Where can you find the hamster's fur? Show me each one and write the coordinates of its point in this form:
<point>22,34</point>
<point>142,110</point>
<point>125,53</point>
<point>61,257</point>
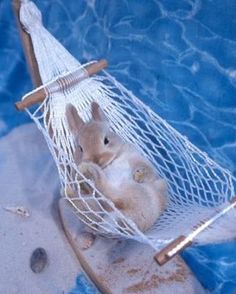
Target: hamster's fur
<point>117,169</point>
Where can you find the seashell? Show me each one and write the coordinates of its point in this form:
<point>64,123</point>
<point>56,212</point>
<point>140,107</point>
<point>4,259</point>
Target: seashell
<point>20,210</point>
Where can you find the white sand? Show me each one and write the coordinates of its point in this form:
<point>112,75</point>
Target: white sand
<point>29,178</point>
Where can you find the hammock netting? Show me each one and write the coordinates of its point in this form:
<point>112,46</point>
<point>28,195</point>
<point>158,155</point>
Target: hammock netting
<point>199,190</point>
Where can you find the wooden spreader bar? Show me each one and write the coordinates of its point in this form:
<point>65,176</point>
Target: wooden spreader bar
<point>162,257</point>
<point>40,95</point>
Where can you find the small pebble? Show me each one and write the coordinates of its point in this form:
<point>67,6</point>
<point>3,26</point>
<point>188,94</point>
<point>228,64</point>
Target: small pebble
<point>38,260</point>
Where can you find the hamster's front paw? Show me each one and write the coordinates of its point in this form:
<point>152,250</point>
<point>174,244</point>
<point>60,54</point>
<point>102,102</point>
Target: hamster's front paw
<point>141,174</point>
<point>90,171</point>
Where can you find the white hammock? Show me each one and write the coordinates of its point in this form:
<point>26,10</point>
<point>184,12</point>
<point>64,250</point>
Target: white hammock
<point>200,191</point>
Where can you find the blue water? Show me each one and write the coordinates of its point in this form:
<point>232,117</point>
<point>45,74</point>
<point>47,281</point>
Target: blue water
<point>83,286</point>
<point>179,57</point>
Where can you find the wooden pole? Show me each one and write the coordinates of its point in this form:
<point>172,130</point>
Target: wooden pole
<point>28,47</point>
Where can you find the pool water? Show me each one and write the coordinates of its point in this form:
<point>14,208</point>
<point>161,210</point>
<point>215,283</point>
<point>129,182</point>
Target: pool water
<point>179,57</point>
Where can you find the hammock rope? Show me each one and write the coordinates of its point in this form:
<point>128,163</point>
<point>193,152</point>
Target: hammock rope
<point>199,189</point>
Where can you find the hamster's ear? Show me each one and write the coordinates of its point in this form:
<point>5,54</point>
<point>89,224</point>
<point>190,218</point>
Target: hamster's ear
<point>97,113</point>
<point>75,122</point>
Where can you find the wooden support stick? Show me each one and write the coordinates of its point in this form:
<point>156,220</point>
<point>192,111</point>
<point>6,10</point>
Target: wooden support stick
<point>28,47</point>
<point>162,257</point>
<point>40,95</point>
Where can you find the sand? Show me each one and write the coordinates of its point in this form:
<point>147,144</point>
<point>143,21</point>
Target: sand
<point>28,178</point>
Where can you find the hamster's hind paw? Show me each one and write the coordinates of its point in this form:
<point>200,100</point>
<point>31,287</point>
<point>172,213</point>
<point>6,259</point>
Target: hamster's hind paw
<point>141,174</point>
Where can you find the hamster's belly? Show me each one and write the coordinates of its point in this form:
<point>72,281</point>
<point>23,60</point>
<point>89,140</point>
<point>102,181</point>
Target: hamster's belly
<point>118,173</point>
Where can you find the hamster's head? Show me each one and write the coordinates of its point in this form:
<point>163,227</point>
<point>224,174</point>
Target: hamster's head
<point>94,140</point>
